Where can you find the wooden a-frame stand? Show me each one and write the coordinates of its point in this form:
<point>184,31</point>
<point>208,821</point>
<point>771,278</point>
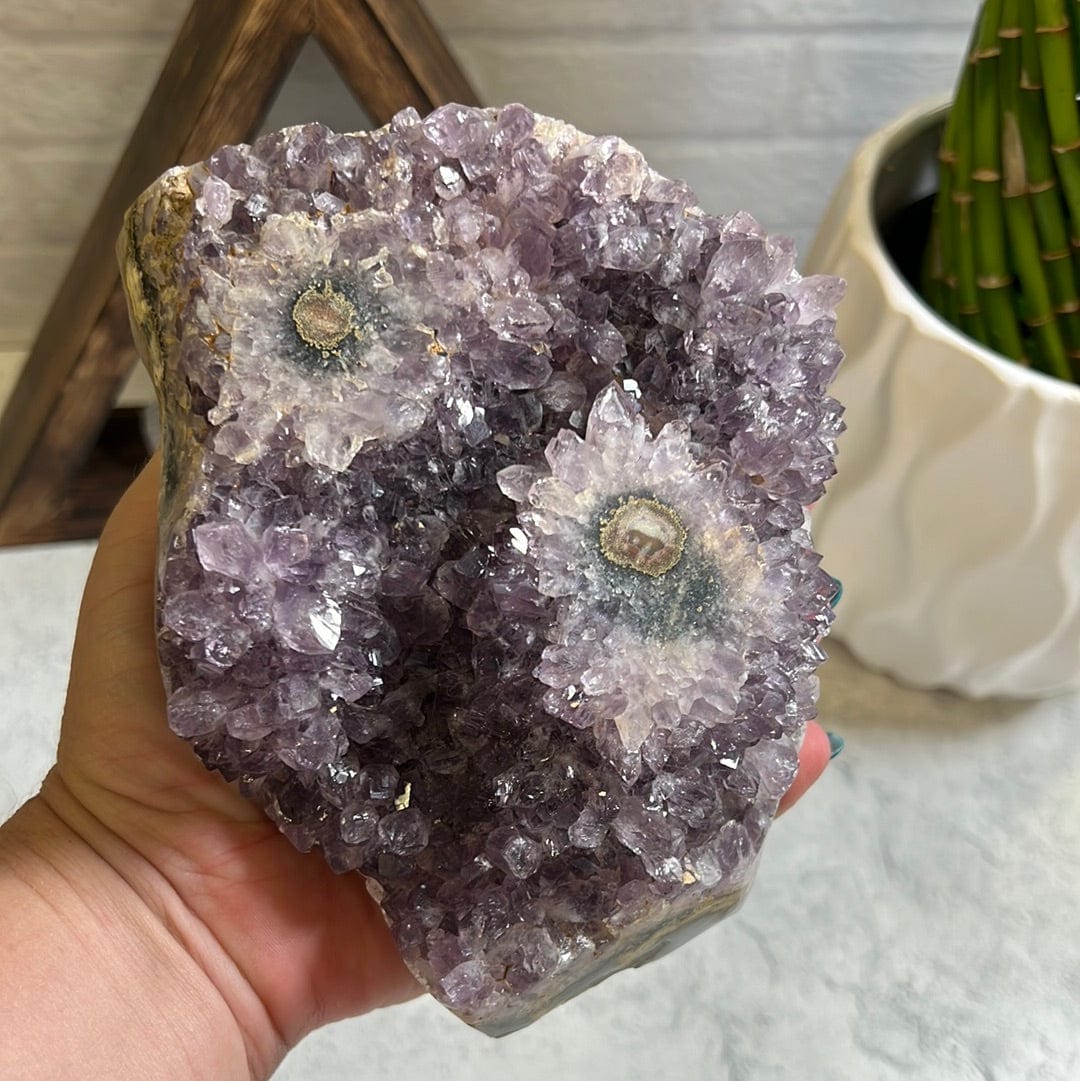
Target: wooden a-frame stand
<point>217,85</point>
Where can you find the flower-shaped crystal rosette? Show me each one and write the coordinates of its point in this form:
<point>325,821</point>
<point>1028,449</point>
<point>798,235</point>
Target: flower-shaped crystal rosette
<point>647,660</point>
<point>678,673</point>
<point>321,335</point>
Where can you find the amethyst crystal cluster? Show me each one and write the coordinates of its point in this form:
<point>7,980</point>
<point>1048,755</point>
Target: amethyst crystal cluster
<point>484,564</point>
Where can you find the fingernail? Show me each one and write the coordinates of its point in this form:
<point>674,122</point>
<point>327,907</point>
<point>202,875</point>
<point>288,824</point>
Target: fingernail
<point>836,744</point>
<point>839,591</point>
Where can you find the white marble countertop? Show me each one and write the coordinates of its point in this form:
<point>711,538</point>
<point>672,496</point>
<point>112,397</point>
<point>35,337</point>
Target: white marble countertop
<point>915,917</point>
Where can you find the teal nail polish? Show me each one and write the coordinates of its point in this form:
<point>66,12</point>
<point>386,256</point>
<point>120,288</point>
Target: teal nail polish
<point>836,744</point>
<point>839,592</point>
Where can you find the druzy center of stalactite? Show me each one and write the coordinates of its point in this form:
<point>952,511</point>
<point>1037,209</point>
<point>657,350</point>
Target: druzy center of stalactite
<point>323,318</point>
<point>644,535</point>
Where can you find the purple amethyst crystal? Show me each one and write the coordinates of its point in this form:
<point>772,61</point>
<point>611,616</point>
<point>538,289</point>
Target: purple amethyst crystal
<point>484,564</point>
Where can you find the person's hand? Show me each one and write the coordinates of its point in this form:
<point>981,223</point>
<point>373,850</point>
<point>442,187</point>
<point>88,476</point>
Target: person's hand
<point>295,944</point>
<point>287,944</point>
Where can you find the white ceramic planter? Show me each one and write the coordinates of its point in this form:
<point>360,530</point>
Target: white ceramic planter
<point>954,521</point>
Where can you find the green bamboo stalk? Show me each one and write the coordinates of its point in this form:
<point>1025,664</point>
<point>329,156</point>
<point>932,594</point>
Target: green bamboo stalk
<point>1003,258</point>
<point>1059,82</point>
<point>950,257</point>
<point>958,274</point>
<point>1044,192</point>
<point>994,279</point>
<point>933,288</point>
<point>938,276</point>
<point>1074,25</point>
<point>1034,304</point>
<point>949,302</point>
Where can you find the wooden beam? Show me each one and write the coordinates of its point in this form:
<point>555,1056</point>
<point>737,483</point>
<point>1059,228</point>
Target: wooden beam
<point>215,88</point>
<point>366,59</point>
<point>423,52</point>
<point>92,491</point>
<point>216,85</point>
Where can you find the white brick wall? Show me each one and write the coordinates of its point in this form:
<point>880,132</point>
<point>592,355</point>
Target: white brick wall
<point>758,103</point>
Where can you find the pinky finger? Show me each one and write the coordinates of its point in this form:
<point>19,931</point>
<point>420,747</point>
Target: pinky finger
<point>813,758</point>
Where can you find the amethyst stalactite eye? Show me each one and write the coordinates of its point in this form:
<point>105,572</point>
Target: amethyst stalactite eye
<point>484,564</point>
<point>323,318</point>
<point>643,535</point>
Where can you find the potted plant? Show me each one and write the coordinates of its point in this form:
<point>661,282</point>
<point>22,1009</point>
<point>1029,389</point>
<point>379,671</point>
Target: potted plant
<point>955,518</point>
